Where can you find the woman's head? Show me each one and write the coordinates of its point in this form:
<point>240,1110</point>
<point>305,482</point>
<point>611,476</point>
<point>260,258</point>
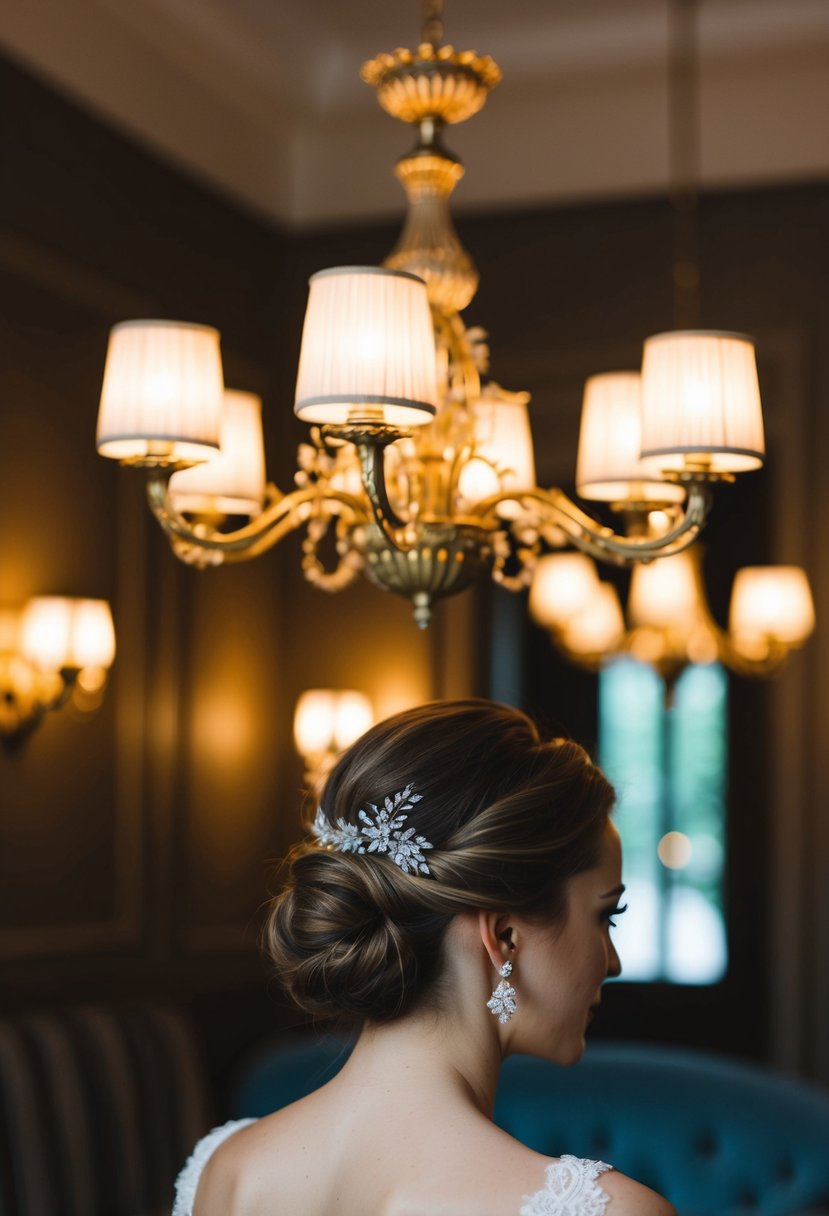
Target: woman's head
<point>511,819</point>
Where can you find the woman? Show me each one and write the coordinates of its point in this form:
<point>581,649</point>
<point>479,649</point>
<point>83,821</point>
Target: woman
<point>456,901</point>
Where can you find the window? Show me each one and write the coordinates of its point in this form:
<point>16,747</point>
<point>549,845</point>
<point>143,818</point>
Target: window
<point>668,760</point>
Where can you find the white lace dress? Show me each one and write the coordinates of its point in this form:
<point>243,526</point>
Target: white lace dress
<point>570,1189</point>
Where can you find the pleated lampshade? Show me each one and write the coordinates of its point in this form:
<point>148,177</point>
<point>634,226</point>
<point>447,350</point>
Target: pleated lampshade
<point>665,594</point>
<point>162,393</point>
<point>771,602</point>
<point>609,467</point>
<point>562,586</point>
<point>701,402</point>
<point>368,349</point>
<point>233,481</point>
<point>503,446</point>
<point>600,625</point>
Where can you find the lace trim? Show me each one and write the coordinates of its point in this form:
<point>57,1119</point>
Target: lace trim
<point>188,1179</point>
<point>571,1190</point>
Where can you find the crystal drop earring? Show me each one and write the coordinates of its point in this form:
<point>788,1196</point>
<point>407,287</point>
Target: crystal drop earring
<point>502,1003</point>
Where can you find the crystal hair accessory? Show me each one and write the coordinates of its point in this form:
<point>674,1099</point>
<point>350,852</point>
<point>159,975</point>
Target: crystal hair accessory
<point>502,1003</point>
<point>380,832</point>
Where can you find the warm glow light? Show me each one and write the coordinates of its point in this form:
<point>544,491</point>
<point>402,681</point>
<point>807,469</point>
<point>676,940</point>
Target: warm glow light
<point>609,468</point>
<point>563,584</point>
<point>502,438</point>
<point>598,627</point>
<point>46,632</point>
<point>701,402</point>
<point>93,635</point>
<point>162,392</point>
<point>352,717</point>
<point>60,632</point>
<point>9,629</point>
<point>477,480</point>
<point>368,349</point>
<point>665,594</point>
<point>674,850</point>
<point>771,603</point>
<point>328,720</point>
<point>233,481</point>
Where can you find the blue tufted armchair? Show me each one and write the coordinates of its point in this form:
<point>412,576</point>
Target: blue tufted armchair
<point>717,1136</point>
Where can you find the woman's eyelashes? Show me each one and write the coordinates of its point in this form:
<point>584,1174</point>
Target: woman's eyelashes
<point>611,912</point>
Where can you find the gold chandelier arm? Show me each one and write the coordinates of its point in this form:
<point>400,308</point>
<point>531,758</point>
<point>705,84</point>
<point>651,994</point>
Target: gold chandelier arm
<point>349,564</point>
<point>373,472</point>
<point>283,513</point>
<point>599,541</point>
<point>743,665</point>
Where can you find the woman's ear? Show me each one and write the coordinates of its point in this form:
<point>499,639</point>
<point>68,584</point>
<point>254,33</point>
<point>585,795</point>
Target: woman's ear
<point>497,936</point>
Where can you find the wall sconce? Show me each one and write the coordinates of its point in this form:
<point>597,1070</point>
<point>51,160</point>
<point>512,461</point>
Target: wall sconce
<point>326,721</point>
<point>48,648</point>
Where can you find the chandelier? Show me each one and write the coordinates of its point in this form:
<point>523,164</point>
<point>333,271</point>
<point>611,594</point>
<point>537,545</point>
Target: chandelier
<point>669,623</point>
<point>50,648</point>
<point>419,466</point>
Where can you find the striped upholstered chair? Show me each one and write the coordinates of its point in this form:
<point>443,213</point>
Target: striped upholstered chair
<point>98,1109</point>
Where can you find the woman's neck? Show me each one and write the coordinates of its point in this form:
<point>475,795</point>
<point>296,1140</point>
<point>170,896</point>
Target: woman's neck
<point>436,1057</point>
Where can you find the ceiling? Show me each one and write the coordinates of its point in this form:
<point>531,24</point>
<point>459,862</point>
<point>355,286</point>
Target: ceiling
<point>262,98</point>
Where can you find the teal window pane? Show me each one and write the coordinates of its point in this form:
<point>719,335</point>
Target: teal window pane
<point>668,761</point>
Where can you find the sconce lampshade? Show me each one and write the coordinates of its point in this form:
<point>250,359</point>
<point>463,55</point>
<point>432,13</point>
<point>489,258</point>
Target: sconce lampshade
<point>771,603</point>
<point>328,720</point>
<point>701,402</point>
<point>58,632</point>
<point>368,349</point>
<point>609,467</point>
<point>162,393</point>
<point>232,482</point>
<point>563,585</point>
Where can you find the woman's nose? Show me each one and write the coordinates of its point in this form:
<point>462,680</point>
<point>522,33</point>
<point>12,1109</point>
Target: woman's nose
<point>614,963</point>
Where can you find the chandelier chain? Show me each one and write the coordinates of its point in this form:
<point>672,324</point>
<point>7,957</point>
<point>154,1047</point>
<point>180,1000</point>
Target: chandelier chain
<point>433,22</point>
<point>683,157</point>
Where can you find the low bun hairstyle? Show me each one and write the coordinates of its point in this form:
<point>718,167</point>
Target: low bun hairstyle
<point>511,818</point>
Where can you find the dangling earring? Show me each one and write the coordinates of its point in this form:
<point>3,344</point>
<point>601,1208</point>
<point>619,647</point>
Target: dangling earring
<point>502,1003</point>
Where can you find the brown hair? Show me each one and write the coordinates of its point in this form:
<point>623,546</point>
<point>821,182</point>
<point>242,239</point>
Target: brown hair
<point>511,818</point>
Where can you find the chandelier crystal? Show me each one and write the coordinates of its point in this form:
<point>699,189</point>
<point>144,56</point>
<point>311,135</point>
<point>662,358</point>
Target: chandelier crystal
<point>423,477</point>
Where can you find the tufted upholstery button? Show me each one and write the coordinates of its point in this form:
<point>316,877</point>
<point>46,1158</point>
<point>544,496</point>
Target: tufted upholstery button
<point>600,1142</point>
<point>785,1171</point>
<point>705,1145</point>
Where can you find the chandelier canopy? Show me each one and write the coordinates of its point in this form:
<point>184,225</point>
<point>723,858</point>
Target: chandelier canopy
<point>424,476</point>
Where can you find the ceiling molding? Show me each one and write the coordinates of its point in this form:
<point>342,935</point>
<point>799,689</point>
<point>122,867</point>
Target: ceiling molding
<point>263,101</point>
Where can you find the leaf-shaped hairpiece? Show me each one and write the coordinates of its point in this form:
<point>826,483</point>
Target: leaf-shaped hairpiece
<point>382,832</point>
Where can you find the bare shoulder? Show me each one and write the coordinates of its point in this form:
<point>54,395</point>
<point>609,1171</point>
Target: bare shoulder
<point>630,1198</point>
<point>507,1171</point>
<point>228,1181</point>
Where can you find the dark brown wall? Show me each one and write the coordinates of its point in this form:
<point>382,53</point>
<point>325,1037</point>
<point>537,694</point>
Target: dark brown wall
<point>134,842</point>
